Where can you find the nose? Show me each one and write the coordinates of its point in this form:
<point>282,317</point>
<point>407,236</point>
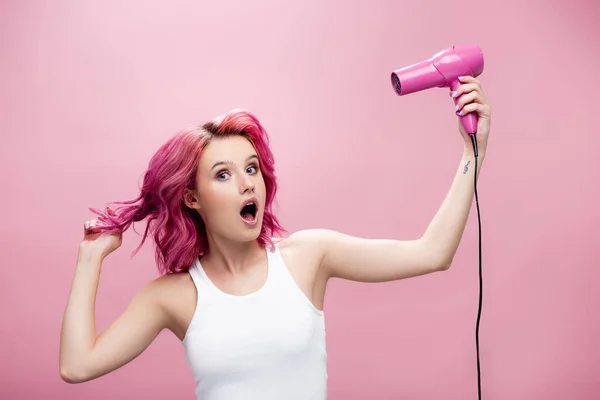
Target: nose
<point>247,184</point>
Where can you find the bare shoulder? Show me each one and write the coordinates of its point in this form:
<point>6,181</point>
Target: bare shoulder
<point>311,243</point>
<point>305,246</point>
<point>176,295</point>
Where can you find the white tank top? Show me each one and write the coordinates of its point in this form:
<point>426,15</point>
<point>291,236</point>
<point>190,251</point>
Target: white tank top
<point>267,345</point>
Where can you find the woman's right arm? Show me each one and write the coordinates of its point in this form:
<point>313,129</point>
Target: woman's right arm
<point>85,356</point>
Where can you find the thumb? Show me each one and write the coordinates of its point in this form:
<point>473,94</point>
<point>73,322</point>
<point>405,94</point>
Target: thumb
<point>90,229</point>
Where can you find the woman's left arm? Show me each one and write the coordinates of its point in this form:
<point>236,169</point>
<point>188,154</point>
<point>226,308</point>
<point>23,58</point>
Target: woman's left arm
<point>377,260</point>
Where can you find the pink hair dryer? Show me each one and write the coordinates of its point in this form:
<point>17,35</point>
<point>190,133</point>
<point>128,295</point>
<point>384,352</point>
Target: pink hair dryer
<point>442,70</point>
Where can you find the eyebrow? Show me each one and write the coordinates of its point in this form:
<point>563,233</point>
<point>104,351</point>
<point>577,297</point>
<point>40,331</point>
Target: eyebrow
<point>218,163</point>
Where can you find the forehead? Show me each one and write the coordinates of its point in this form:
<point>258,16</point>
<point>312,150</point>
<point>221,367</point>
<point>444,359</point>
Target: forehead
<point>234,149</point>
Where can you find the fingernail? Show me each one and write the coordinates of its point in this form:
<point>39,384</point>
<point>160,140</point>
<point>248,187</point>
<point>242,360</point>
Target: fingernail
<point>454,94</point>
<point>457,107</point>
<point>461,78</point>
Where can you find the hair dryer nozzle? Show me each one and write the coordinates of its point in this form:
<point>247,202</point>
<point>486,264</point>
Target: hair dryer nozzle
<point>416,77</point>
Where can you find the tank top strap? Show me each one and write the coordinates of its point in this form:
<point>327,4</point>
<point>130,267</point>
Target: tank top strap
<point>277,266</point>
<point>285,281</point>
<point>197,275</point>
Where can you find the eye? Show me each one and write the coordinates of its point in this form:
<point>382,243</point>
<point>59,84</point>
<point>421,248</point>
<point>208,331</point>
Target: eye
<point>252,169</point>
<point>221,176</point>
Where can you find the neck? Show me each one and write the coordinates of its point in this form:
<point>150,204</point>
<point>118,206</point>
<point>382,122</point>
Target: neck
<point>233,256</point>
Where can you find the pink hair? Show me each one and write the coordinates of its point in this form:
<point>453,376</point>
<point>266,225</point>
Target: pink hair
<point>179,232</point>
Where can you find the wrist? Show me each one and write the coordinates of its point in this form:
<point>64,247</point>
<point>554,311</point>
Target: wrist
<point>90,253</point>
<point>469,152</point>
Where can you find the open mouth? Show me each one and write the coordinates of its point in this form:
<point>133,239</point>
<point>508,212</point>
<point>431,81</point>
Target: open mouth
<point>249,212</point>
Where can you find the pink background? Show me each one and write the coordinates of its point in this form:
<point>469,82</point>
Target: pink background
<point>89,90</point>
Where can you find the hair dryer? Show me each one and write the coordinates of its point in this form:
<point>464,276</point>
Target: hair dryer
<point>442,70</point>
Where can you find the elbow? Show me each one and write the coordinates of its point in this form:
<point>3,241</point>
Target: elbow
<point>438,258</point>
<point>444,266</point>
<point>72,374</point>
<point>443,262</point>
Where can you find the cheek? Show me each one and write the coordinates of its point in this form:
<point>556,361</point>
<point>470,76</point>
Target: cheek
<point>216,200</point>
<point>263,191</point>
<point>260,182</point>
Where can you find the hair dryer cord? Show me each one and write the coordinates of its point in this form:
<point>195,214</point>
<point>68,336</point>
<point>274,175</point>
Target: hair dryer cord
<point>475,150</point>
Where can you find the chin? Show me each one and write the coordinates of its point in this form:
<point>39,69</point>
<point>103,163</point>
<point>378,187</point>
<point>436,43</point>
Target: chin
<point>252,238</point>
<point>253,233</point>
<point>246,237</point>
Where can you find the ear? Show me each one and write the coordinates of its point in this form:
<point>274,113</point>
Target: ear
<point>191,199</point>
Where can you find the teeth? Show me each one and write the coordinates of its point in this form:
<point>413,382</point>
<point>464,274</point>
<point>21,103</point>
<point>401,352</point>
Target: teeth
<point>249,204</point>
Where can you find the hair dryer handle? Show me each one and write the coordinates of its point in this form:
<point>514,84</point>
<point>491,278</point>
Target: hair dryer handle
<point>469,121</point>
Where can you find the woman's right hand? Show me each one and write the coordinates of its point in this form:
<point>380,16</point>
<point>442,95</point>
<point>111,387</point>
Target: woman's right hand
<point>96,242</point>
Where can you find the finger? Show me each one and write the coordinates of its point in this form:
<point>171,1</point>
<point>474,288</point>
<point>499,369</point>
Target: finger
<point>92,226</point>
<point>107,216</point>
<point>89,228</point>
<point>469,108</point>
<point>482,110</point>
<point>466,88</point>
<point>466,99</point>
<point>468,79</point>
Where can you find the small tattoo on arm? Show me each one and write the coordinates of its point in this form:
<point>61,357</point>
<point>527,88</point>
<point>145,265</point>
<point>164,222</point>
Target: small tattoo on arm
<point>466,167</point>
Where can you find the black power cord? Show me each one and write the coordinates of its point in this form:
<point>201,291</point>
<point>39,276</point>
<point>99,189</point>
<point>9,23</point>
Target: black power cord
<point>474,141</point>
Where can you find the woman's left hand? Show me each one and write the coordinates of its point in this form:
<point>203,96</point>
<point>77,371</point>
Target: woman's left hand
<point>473,100</point>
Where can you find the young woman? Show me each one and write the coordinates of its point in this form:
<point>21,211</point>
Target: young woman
<point>247,308</point>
